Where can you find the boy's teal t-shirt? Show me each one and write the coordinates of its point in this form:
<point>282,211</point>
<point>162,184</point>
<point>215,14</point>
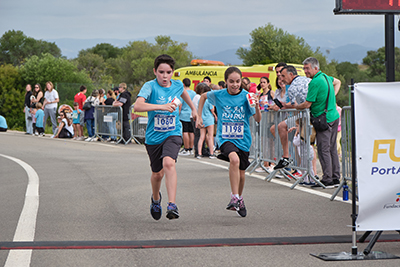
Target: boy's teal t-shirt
<point>162,124</point>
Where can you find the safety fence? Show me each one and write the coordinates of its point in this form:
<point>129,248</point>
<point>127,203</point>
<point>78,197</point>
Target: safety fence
<point>267,145</point>
<point>138,125</point>
<point>108,123</point>
<point>346,150</point>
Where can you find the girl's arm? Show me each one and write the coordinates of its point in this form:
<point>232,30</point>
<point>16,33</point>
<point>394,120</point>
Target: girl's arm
<point>59,129</point>
<point>142,106</point>
<point>185,96</point>
<point>199,121</point>
<point>215,115</point>
<point>257,115</point>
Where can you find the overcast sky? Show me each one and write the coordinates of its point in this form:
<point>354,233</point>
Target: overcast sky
<point>133,19</point>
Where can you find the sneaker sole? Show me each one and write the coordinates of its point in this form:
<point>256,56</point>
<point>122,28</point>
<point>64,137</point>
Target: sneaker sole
<point>238,213</point>
<point>172,215</point>
<point>326,187</point>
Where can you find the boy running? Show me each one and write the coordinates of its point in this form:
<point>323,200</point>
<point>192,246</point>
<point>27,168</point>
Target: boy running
<point>164,131</point>
<point>233,131</point>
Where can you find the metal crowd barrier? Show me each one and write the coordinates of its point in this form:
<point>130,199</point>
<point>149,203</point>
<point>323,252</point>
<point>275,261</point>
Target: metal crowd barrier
<point>346,150</point>
<point>108,123</point>
<point>138,125</point>
<point>267,148</point>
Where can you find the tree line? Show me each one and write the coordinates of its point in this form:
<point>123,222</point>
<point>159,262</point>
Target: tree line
<point>25,60</point>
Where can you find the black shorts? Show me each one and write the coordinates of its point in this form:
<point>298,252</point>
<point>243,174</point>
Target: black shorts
<point>187,126</point>
<point>169,148</point>
<point>229,147</point>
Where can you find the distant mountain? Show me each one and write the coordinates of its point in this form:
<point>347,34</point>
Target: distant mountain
<point>229,57</point>
<point>348,46</point>
<point>352,53</point>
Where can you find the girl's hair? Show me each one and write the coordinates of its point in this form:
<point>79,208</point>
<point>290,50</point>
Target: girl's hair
<point>67,117</point>
<point>102,92</point>
<point>111,93</point>
<point>231,70</point>
<point>95,93</point>
<point>35,93</point>
<point>269,84</point>
<point>27,86</point>
<point>76,104</point>
<point>51,85</point>
<point>201,88</point>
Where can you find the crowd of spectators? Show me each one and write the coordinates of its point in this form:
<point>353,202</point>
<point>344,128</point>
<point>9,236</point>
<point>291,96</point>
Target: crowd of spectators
<point>71,121</point>
<point>293,91</point>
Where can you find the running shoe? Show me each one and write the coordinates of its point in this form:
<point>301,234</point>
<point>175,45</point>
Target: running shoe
<point>297,175</point>
<point>326,184</point>
<point>259,169</point>
<point>242,212</point>
<point>212,156</point>
<point>172,211</point>
<point>155,208</point>
<point>233,204</point>
<point>283,162</point>
<point>336,182</point>
<point>199,156</point>
<point>184,152</point>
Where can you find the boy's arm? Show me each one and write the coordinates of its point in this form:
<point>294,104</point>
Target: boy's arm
<point>142,106</point>
<point>199,121</point>
<point>185,96</point>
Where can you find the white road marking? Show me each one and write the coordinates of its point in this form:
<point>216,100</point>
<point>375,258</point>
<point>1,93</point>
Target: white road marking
<point>279,181</point>
<point>27,221</point>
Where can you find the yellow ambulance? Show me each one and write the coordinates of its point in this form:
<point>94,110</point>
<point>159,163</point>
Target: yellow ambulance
<point>216,69</point>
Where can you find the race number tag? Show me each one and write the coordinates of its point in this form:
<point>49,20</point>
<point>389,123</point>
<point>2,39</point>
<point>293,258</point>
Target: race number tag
<point>232,130</point>
<point>164,123</point>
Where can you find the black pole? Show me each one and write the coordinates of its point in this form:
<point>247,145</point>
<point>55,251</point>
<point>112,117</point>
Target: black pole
<point>389,47</point>
<point>353,172</point>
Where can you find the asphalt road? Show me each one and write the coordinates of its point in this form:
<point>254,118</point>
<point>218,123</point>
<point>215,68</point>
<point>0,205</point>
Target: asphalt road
<point>94,211</point>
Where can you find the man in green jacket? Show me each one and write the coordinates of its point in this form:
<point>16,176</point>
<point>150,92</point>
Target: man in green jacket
<point>316,101</point>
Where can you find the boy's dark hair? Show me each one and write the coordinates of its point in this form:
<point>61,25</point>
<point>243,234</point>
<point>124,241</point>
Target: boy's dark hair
<point>207,78</point>
<point>186,82</point>
<point>164,59</point>
<point>231,70</point>
<point>76,104</point>
<point>222,84</point>
<point>82,88</point>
